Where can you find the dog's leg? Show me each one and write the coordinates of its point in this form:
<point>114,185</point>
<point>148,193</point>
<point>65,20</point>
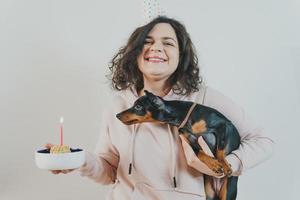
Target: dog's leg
<point>212,163</point>
<point>222,141</point>
<point>228,189</point>
<point>209,188</point>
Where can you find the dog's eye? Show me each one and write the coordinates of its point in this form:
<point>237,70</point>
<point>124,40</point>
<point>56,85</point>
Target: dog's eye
<point>138,107</point>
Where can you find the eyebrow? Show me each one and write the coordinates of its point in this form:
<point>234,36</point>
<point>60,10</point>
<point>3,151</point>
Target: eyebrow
<point>164,38</point>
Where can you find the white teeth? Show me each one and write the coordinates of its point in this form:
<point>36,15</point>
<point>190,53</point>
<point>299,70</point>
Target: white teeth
<point>156,59</point>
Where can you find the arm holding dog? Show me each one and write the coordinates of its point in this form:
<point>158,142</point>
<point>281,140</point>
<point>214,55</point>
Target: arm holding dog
<point>255,145</point>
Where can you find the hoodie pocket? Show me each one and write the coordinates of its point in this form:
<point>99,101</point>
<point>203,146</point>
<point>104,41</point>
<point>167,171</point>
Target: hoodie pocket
<point>143,191</point>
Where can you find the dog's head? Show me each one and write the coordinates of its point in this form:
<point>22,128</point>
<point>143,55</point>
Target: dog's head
<point>147,108</point>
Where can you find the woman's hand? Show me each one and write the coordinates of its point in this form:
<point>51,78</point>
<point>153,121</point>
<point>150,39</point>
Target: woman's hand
<point>66,171</point>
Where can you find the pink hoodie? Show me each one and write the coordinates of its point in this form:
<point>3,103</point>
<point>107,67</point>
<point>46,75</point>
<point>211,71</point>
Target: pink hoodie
<point>142,161</point>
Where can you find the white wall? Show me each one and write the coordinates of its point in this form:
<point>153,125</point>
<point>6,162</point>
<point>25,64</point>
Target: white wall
<point>54,57</point>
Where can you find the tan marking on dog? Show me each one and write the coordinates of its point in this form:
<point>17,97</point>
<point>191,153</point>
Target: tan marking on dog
<point>223,190</point>
<point>226,166</point>
<point>128,116</point>
<point>205,158</point>
<point>148,117</point>
<point>220,154</point>
<point>199,127</point>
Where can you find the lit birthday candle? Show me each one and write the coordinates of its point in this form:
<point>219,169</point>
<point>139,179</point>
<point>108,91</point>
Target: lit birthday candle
<point>60,148</point>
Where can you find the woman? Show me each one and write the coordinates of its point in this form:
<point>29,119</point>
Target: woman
<point>144,160</point>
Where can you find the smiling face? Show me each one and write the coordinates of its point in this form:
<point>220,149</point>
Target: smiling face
<point>160,55</point>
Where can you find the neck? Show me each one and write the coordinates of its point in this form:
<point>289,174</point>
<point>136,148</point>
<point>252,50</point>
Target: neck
<point>157,87</point>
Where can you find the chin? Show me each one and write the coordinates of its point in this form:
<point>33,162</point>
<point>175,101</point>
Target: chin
<point>157,77</point>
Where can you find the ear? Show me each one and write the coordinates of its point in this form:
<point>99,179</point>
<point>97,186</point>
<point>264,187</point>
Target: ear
<point>148,93</point>
<point>155,100</point>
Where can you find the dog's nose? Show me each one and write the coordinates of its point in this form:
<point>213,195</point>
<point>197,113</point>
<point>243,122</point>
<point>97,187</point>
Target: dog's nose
<point>118,116</point>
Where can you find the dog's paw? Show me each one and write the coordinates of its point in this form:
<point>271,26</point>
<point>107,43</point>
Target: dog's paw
<point>215,166</point>
<point>227,171</point>
<point>227,168</point>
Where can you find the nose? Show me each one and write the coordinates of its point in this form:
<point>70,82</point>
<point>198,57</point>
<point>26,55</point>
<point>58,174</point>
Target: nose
<point>156,47</point>
<point>118,115</point>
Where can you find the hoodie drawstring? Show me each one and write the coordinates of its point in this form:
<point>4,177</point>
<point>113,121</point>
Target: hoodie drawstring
<point>173,159</point>
<point>131,146</point>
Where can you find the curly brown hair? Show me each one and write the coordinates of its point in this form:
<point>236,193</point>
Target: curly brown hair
<point>125,72</point>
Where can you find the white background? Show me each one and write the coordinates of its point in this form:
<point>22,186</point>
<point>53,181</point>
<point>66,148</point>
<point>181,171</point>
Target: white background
<point>54,55</point>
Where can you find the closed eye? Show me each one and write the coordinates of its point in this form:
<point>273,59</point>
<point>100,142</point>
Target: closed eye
<point>147,41</point>
<point>169,44</point>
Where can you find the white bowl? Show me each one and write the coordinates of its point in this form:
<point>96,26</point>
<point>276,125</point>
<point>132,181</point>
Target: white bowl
<point>59,161</point>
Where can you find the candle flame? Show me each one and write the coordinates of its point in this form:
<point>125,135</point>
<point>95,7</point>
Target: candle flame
<point>61,120</point>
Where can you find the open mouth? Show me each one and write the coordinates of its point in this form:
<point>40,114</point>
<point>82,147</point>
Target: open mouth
<point>155,59</point>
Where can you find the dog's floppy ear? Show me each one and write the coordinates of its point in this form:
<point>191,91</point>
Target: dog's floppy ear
<point>148,93</point>
<point>155,100</point>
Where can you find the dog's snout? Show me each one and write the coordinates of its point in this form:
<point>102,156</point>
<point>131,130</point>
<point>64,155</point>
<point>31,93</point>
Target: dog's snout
<point>118,115</point>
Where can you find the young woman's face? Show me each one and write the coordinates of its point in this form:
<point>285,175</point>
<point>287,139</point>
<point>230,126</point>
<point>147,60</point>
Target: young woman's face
<point>160,55</point>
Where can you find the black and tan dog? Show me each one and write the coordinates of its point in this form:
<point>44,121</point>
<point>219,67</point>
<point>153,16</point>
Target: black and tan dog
<point>217,131</point>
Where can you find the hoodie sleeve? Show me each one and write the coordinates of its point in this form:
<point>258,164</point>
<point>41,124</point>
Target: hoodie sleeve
<point>101,166</point>
<point>255,146</point>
